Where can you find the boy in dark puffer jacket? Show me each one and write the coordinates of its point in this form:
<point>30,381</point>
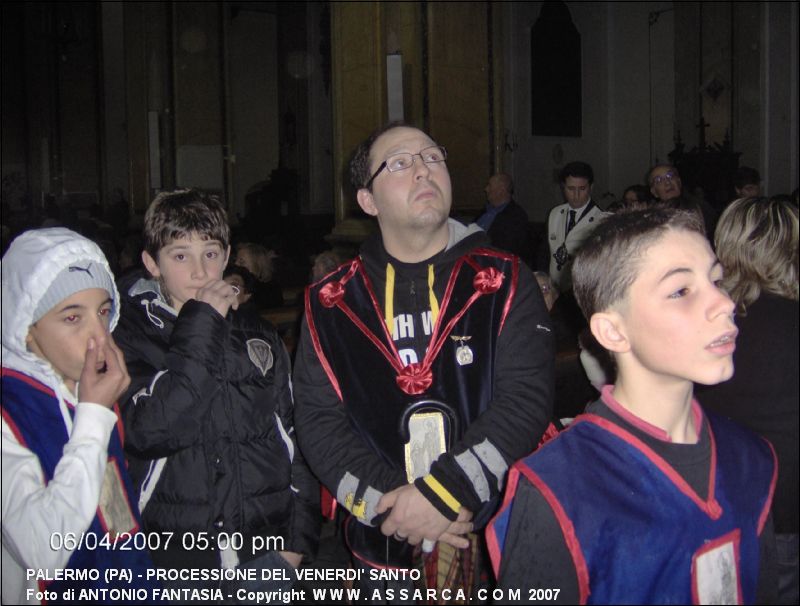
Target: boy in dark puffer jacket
<point>208,417</point>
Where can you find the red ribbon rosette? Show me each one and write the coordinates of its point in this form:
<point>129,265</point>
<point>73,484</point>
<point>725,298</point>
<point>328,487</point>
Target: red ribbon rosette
<point>414,379</point>
<point>549,433</point>
<point>331,294</point>
<point>488,280</point>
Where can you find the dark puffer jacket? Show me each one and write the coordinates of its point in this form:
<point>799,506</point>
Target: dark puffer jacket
<point>209,431</point>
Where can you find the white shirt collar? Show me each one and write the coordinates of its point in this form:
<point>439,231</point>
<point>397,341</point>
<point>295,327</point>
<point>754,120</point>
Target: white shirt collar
<point>579,211</point>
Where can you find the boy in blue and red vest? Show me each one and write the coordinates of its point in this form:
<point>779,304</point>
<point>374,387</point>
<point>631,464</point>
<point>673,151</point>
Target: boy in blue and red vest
<point>646,498</point>
<point>67,499</point>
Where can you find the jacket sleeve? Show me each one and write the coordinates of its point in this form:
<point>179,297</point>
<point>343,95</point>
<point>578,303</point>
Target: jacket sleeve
<point>32,512</point>
<point>337,454</point>
<point>510,232</point>
<point>165,408</point>
<point>306,518</point>
<point>472,474</point>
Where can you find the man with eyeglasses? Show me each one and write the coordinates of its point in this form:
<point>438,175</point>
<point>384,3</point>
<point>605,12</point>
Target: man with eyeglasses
<point>425,368</point>
<point>666,185</point>
<point>665,182</point>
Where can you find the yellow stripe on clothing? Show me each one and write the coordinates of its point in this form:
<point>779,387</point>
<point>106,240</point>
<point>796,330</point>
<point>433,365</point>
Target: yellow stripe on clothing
<point>432,297</point>
<point>442,493</point>
<point>389,298</point>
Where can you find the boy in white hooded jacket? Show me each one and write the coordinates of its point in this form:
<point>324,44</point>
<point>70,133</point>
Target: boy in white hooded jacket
<point>66,495</point>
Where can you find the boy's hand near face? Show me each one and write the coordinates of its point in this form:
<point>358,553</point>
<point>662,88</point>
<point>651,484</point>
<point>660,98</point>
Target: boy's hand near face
<point>220,295</point>
<point>104,377</point>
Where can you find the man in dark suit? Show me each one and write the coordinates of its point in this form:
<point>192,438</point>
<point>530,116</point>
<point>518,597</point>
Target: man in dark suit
<point>504,220</point>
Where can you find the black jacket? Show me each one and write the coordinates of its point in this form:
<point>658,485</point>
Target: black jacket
<point>212,396</point>
<point>518,411</point>
<point>763,393</point>
<point>510,231</point>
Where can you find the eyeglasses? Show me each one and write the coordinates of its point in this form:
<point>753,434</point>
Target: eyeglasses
<point>403,161</point>
<point>664,178</point>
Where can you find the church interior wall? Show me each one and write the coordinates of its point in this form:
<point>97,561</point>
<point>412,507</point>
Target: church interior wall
<point>114,98</point>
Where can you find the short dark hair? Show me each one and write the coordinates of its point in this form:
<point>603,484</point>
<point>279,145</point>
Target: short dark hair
<point>746,176</point>
<point>608,261</point>
<point>176,214</point>
<point>643,198</point>
<point>359,163</point>
<point>640,191</point>
<point>580,170</point>
<point>248,279</point>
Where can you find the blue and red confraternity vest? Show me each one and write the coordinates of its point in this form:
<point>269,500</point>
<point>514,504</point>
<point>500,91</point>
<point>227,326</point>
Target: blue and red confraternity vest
<point>31,410</point>
<point>376,387</point>
<point>637,532</point>
<point>356,350</point>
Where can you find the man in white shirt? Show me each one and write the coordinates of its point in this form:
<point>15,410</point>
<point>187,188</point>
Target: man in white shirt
<point>571,223</point>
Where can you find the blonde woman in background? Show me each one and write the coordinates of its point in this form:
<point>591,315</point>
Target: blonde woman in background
<point>757,244</point>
